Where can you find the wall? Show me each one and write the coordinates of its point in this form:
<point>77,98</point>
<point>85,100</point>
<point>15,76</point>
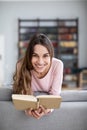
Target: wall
<point>2,59</point>
<point>11,11</point>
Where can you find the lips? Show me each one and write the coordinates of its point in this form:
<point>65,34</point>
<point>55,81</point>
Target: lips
<point>40,67</point>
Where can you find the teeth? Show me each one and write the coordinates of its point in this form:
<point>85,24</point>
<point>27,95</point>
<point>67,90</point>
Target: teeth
<point>39,66</point>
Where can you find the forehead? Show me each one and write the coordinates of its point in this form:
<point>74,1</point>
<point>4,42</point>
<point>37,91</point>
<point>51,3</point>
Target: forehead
<point>40,49</point>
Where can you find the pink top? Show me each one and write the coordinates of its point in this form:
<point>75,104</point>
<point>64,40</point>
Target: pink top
<point>52,82</point>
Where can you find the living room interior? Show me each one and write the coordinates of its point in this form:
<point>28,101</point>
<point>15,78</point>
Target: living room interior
<point>64,21</point>
<point>70,46</point>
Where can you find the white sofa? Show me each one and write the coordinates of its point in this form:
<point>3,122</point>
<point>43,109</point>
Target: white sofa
<point>72,114</point>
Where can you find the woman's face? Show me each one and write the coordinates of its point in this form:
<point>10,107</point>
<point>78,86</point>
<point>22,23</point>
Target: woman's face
<point>40,59</point>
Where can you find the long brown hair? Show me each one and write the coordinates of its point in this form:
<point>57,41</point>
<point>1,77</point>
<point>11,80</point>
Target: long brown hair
<point>22,77</point>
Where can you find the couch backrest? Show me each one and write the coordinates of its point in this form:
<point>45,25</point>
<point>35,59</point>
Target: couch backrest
<point>67,96</point>
<point>74,95</point>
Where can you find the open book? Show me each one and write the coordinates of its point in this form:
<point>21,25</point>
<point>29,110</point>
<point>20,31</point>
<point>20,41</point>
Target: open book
<point>23,102</point>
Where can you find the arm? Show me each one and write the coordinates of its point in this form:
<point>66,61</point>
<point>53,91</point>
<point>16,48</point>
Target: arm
<point>57,79</point>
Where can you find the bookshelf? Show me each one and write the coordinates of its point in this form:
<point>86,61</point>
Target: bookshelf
<point>68,49</point>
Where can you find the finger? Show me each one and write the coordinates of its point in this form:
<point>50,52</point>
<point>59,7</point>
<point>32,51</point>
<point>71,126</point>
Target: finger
<point>35,114</point>
<point>28,112</point>
<point>43,108</point>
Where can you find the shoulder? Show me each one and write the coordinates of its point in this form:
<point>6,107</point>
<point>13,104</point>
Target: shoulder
<point>57,65</point>
<point>56,62</point>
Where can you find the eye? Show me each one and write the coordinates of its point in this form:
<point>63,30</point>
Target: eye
<point>46,55</point>
<point>34,55</point>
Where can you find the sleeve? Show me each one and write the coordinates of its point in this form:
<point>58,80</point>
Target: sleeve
<point>57,79</point>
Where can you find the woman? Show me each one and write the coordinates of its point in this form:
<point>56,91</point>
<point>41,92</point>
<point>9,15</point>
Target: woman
<point>38,71</point>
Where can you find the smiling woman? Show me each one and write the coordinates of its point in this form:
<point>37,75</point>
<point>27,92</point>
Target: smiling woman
<point>38,71</point>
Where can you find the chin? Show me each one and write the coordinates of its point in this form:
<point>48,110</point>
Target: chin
<point>40,71</point>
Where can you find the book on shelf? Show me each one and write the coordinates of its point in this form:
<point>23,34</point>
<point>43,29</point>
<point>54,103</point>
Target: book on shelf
<point>23,102</point>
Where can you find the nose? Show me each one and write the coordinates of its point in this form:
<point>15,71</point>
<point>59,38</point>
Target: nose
<point>40,60</point>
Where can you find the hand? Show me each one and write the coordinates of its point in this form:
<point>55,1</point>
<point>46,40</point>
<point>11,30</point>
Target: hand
<point>46,111</point>
<point>38,113</point>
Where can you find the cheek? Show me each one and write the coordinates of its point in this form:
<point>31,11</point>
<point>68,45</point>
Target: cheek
<point>48,60</point>
<point>33,60</point>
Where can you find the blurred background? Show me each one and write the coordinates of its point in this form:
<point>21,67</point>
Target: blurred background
<point>64,21</point>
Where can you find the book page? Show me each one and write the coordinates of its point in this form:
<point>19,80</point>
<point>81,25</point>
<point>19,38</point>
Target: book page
<point>48,96</point>
<point>24,97</point>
